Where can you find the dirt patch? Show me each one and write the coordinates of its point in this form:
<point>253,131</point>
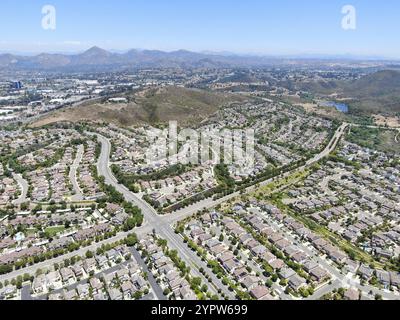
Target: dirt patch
<point>391,122</point>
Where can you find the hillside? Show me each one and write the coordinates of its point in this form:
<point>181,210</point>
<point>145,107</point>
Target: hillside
<point>187,106</point>
<point>375,93</point>
<point>377,84</point>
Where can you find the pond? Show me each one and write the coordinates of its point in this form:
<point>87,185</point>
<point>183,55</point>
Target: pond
<point>342,107</point>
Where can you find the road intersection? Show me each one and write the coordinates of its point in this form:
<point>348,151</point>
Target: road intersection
<point>163,225</point>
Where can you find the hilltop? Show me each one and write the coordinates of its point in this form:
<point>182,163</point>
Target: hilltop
<point>153,106</point>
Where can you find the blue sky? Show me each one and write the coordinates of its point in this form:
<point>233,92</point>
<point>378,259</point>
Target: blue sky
<point>251,26</point>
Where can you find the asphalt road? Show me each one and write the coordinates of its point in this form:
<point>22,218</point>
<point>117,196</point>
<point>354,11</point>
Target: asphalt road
<point>81,252</point>
<point>210,203</point>
<point>153,283</point>
<point>78,196</point>
<point>158,223</point>
<point>24,189</point>
<point>162,224</point>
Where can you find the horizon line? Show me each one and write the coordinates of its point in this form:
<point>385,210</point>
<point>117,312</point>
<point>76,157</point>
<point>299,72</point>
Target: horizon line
<point>307,55</point>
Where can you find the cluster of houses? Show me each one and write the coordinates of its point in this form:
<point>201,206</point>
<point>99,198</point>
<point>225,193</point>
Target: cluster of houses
<point>130,148</point>
<point>290,250</point>
<point>8,190</point>
<point>283,125</point>
<point>220,251</point>
<point>49,183</point>
<point>306,132</point>
<point>13,257</point>
<point>386,278</point>
<point>112,275</point>
<point>164,269</point>
<point>36,158</point>
<point>317,241</point>
<point>59,180</point>
<point>360,205</point>
<point>40,187</point>
<point>174,189</point>
<point>18,140</point>
<point>87,183</point>
<point>92,232</point>
<point>24,236</point>
<point>283,133</point>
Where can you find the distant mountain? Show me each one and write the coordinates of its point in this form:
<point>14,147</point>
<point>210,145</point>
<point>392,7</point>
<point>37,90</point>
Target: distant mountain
<point>96,58</point>
<point>102,60</point>
<point>7,60</point>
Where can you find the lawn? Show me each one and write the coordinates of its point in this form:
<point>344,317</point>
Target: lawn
<point>52,231</point>
<point>280,184</point>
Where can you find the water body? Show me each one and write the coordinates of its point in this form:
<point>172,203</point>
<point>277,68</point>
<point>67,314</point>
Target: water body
<point>342,107</point>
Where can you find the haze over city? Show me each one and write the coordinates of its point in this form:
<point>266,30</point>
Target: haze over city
<point>252,27</point>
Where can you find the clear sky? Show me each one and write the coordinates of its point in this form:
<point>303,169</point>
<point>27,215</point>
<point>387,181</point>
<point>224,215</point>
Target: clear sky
<point>251,26</point>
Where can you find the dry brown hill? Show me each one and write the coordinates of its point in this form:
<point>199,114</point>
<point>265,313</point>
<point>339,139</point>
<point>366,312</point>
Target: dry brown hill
<point>187,106</point>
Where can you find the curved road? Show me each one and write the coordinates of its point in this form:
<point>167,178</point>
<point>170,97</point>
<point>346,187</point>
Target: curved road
<point>78,196</point>
<point>210,203</point>
<point>24,189</point>
<point>159,224</point>
<point>162,224</point>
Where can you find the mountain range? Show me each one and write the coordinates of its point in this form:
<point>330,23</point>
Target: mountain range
<point>99,59</point>
<point>96,57</point>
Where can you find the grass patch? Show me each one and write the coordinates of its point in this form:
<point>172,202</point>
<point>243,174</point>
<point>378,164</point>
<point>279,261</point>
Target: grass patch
<point>276,186</point>
<point>53,231</point>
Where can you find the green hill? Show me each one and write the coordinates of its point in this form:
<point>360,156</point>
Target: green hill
<point>375,93</point>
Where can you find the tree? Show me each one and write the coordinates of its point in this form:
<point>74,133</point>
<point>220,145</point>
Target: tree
<point>131,240</point>
<point>5,269</point>
<point>196,281</point>
<point>166,292</point>
<point>129,224</point>
<point>378,297</point>
<point>137,295</point>
<point>24,206</point>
